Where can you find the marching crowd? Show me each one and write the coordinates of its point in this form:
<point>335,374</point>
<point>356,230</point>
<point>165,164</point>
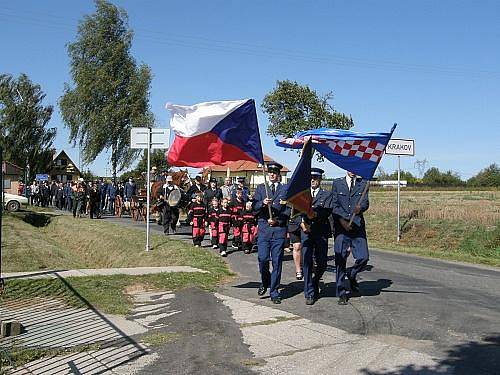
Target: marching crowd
<point>82,198</point>
<point>263,221</point>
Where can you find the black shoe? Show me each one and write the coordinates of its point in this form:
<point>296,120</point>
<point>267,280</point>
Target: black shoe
<point>262,290</point>
<point>310,301</point>
<point>343,299</point>
<point>276,300</point>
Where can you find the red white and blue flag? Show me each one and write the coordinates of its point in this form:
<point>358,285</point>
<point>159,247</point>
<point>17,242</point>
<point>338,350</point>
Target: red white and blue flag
<point>359,153</point>
<point>214,133</point>
<point>298,193</point>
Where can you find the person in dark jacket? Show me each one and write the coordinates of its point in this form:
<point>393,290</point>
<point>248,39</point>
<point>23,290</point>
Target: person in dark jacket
<point>111,196</point>
<point>212,192</point>
<point>346,202</point>
<point>197,218</point>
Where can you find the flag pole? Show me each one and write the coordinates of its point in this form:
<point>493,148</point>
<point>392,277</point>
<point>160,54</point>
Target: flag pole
<point>267,190</point>
<point>360,199</point>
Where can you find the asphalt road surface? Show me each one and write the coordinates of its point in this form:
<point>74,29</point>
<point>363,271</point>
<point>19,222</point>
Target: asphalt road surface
<point>446,309</point>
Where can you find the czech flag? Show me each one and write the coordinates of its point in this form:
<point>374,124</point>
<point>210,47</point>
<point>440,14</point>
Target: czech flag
<point>299,187</point>
<point>214,133</point>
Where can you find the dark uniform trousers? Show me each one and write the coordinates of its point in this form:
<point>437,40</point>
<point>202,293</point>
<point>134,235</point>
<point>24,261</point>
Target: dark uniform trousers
<point>315,243</point>
<point>343,203</point>
<point>271,240</point>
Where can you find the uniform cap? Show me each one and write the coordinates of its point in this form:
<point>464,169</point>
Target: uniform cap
<point>317,172</point>
<point>274,167</point>
<point>169,178</point>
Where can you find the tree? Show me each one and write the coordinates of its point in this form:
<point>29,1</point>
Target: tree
<point>110,93</point>
<point>434,177</point>
<point>489,176</point>
<point>292,107</point>
<point>158,159</point>
<point>407,176</point>
<point>24,135</point>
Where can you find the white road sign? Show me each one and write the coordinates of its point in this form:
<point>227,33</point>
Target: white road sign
<point>160,138</point>
<point>401,147</point>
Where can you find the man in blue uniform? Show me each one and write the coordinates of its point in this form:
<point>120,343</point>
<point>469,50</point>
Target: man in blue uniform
<point>272,230</point>
<point>346,194</point>
<point>315,234</point>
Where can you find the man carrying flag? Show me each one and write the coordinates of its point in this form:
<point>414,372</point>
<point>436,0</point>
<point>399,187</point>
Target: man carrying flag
<point>359,154</point>
<point>272,213</point>
<point>306,196</point>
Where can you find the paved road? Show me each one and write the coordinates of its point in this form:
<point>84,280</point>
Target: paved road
<point>448,310</point>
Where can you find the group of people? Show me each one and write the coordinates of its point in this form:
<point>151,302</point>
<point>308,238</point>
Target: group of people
<point>82,198</point>
<point>222,211</point>
<point>266,221</point>
<point>343,206</point>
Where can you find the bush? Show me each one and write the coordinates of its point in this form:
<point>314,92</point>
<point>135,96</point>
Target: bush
<point>489,177</point>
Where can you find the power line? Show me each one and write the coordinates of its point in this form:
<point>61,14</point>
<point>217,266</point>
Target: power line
<point>212,45</point>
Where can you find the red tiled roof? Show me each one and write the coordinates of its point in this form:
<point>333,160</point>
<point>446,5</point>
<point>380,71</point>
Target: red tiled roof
<point>243,165</point>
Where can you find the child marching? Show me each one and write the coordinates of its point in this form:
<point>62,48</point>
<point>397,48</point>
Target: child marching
<point>224,225</point>
<point>213,220</point>
<point>248,228</point>
<point>197,216</point>
<point>238,206</point>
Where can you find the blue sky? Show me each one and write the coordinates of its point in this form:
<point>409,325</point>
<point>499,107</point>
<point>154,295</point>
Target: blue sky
<point>431,66</point>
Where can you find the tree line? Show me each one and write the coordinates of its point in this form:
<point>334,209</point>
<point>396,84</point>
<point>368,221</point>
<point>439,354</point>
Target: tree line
<point>109,94</point>
<point>488,177</point>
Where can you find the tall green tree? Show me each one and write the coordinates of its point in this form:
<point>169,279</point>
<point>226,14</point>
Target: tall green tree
<point>110,94</point>
<point>488,177</point>
<point>434,177</point>
<point>24,134</point>
<point>292,107</point>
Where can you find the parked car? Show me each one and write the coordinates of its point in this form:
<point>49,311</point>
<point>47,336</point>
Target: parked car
<point>13,202</point>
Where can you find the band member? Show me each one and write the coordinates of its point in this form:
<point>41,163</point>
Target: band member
<point>244,189</point>
<point>212,192</point>
<point>248,228</point>
<point>197,216</point>
<point>237,206</point>
<point>272,230</point>
<point>213,221</point>
<point>225,216</point>
<point>197,187</point>
<point>170,214</point>
<point>315,234</point>
<point>346,194</point>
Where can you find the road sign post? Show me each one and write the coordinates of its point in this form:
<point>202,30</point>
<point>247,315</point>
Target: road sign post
<point>400,147</point>
<point>149,138</point>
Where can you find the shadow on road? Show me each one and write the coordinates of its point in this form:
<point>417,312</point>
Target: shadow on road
<point>478,358</point>
<point>57,338</point>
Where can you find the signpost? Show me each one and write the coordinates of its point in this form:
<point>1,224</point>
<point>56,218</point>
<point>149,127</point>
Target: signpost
<point>405,147</point>
<point>149,138</point>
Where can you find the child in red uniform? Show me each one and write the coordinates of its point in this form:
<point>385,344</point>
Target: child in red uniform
<point>238,206</point>
<point>248,228</point>
<point>213,220</point>
<point>197,216</point>
<point>225,215</point>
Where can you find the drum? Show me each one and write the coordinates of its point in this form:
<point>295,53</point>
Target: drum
<point>174,197</point>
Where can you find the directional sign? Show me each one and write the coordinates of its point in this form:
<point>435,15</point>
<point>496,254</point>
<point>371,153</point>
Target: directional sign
<point>160,138</point>
<point>42,177</point>
<point>401,147</point>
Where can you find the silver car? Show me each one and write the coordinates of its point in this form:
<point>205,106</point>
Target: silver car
<point>13,202</point>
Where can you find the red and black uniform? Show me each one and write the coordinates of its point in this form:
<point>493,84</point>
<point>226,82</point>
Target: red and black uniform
<point>248,230</point>
<point>237,208</point>
<point>224,225</point>
<point>213,220</point>
<point>197,215</point>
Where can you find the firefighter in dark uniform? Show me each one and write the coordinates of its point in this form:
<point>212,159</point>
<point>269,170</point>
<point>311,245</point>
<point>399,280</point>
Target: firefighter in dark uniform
<point>346,194</point>
<point>271,230</point>
<point>314,236</point>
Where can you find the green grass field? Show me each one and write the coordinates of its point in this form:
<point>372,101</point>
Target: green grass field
<point>458,225</point>
<point>35,241</point>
